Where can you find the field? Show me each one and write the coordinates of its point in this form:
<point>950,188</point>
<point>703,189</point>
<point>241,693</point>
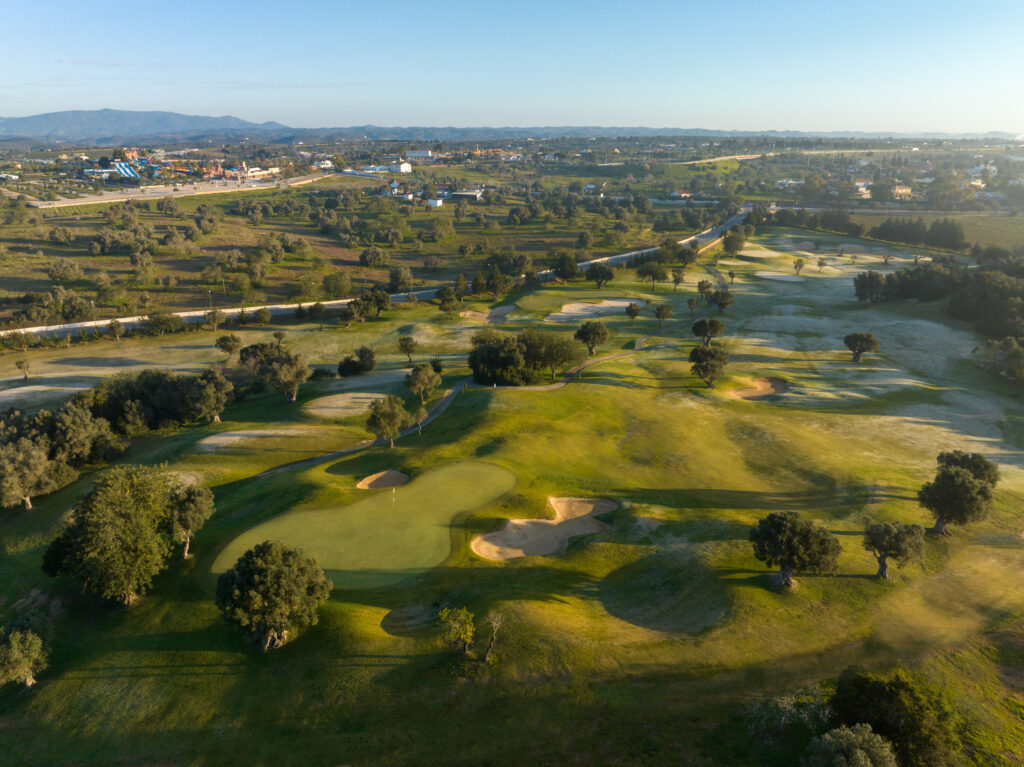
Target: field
<point>642,642</point>
<point>979,229</point>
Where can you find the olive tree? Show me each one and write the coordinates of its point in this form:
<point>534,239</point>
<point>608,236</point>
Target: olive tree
<point>229,344</point>
<point>22,657</point>
<point>888,540</point>
<point>388,417</point>
<point>632,311</point>
<point>591,334</point>
<point>407,345</point>
<point>955,497</point>
<point>860,344</point>
<point>271,589</point>
<point>855,746</point>
<point>422,380</point>
<point>708,363</point>
<point>793,544</point>
<point>663,312</point>
<point>707,329</point>
<point>457,627</point>
<point>190,506</point>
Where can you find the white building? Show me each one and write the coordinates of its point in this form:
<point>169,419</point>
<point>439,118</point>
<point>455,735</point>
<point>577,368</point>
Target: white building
<point>400,167</point>
<point>435,203</point>
<point>419,154</point>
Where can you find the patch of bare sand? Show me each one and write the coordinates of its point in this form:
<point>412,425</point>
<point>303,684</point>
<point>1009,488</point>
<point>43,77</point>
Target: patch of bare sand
<point>342,405</point>
<point>497,314</point>
<point>545,537</point>
<point>231,438</point>
<point>763,387</point>
<point>584,310</point>
<point>388,478</point>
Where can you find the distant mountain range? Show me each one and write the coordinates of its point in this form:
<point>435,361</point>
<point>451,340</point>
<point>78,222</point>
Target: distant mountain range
<point>105,127</point>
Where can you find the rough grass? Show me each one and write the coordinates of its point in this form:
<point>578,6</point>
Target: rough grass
<point>636,646</point>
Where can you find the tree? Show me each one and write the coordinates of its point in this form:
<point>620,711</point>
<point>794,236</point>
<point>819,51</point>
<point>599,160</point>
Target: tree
<point>732,276</point>
<point>722,299</point>
<point>23,366</point>
<point>798,265</point>
<point>855,746</point>
<point>262,316</point>
<point>566,267</point>
<point>279,336</point>
<point>116,329</point>
<point>420,417</point>
<point>191,506</point>
<point>632,311</point>
<point>859,343</point>
<point>206,395</point>
<point>367,358</point>
<point>229,344</point>
<point>795,545</point>
<point>708,363</point>
<point>214,319</point>
<point>822,262</point>
<point>407,345</point>
<point>548,350</point>
<point>495,620</point>
<point>733,242</point>
<point>121,534</point>
<point>318,313</point>
<point>336,284</point>
<point>422,380</point>
<point>388,417</point>
<point>497,283</point>
<point>479,284</point>
<point>663,312</point>
<point>600,274</point>
<point>457,627</point>
<point>956,497</point>
<point>691,303</point>
<point>461,288</point>
<point>592,334</point>
<point>678,278</point>
<point>22,657</point>
<point>380,300</point>
<point>707,329</point>
<point>276,367</point>
<point>399,279</point>
<point>652,271</point>
<point>163,322</point>
<point>27,471</point>
<point>978,465</point>
<point>271,589</point>
<point>888,540</point>
<point>448,301</point>
<point>374,257</point>
<point>916,718</point>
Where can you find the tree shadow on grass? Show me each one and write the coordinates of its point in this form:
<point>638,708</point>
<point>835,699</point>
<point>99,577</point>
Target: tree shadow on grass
<point>716,498</point>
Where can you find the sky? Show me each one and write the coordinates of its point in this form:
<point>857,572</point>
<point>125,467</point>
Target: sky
<point>900,66</point>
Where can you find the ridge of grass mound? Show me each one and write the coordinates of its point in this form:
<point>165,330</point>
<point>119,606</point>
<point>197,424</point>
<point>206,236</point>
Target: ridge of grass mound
<point>387,478</point>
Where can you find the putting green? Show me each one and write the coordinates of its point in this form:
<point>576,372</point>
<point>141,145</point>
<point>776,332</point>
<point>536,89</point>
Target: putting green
<point>374,542</point>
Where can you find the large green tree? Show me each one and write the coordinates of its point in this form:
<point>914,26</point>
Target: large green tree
<point>422,380</point>
<point>457,628</point>
<point>708,363</point>
<point>190,507</point>
<point>22,657</point>
<point>889,540</point>
<point>388,417</point>
<point>860,344</point>
<point>600,274</point>
<point>793,544</point>
<point>899,706</point>
<point>121,533</point>
<point>855,746</point>
<point>707,329</point>
<point>592,334</point>
<point>271,589</point>
<point>955,497</point>
<point>26,471</point>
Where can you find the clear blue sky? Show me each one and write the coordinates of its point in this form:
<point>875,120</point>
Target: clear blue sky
<point>900,65</point>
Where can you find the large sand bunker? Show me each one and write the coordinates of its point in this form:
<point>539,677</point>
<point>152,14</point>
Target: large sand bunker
<point>342,405</point>
<point>763,387</point>
<point>497,314</point>
<point>581,310</point>
<point>227,439</point>
<point>389,478</point>
<point>544,537</point>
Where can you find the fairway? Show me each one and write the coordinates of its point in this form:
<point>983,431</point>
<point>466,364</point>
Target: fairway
<point>387,537</point>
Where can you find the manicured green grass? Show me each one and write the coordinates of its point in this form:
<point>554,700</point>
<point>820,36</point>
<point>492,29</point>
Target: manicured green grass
<point>979,229</point>
<point>390,535</point>
<point>638,645</point>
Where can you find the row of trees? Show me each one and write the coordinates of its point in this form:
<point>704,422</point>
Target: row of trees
<point>961,493</point>
<point>519,359</point>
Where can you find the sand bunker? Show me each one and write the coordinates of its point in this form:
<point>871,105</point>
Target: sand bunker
<point>581,311</point>
<point>544,537</point>
<point>498,314</point>
<point>231,438</point>
<point>389,478</point>
<point>342,405</point>
<point>779,276</point>
<point>763,387</point>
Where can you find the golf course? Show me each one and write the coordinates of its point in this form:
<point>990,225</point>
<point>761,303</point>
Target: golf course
<point>605,515</point>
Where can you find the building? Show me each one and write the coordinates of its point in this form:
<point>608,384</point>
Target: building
<point>469,194</point>
<point>681,194</point>
<point>325,165</point>
<point>902,193</point>
<point>400,167</point>
<point>419,154</point>
<point>435,203</point>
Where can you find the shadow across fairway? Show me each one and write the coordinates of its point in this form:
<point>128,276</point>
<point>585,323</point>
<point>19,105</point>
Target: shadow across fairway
<point>715,498</point>
<point>101,362</point>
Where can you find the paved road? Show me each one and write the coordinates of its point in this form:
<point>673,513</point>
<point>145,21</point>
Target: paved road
<point>197,316</point>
